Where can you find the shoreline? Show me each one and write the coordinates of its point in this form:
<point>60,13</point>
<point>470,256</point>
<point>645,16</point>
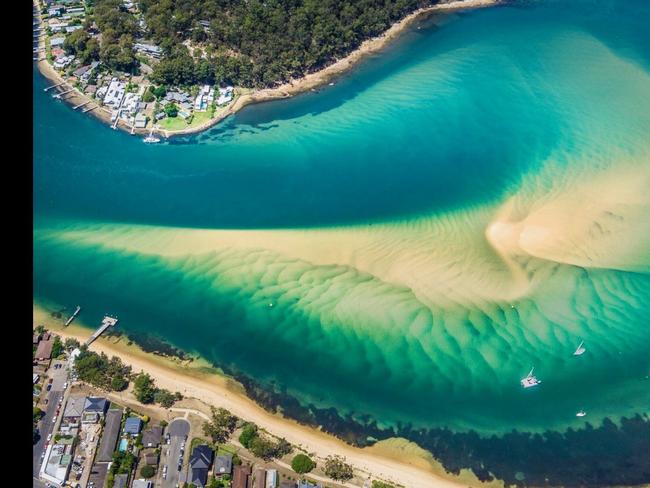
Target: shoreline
<point>201,381</point>
<point>287,90</point>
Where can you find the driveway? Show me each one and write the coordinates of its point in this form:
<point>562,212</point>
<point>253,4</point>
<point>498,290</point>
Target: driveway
<point>178,430</point>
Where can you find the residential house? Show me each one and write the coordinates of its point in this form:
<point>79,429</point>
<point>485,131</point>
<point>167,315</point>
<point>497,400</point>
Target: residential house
<point>225,95</point>
<point>132,426</point>
<point>151,458</point>
<point>35,378</point>
<point>178,97</point>
<point>152,436</point>
<point>121,481</point>
<point>200,461</point>
<point>115,93</point>
<point>36,339</point>
<point>259,478</point>
<point>44,349</point>
<point>148,49</point>
<point>142,483</point>
<point>140,121</point>
<point>240,476</point>
<point>62,61</point>
<point>223,465</point>
<point>58,461</point>
<point>96,405</point>
<point>72,28</point>
<point>81,71</point>
<point>54,11</point>
<point>307,484</point>
<point>271,478</point>
<point>74,409</point>
<point>109,436</point>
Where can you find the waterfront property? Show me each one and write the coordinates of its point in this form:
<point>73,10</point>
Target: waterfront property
<point>152,436</point>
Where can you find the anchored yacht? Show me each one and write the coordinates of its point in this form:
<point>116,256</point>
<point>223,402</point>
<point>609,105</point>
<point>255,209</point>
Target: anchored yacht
<point>530,380</point>
<point>580,350</point>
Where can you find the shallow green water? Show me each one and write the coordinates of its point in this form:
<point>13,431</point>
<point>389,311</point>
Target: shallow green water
<point>376,290</point>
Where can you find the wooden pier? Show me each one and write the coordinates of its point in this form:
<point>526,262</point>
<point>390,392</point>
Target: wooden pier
<point>59,95</point>
<point>72,317</point>
<point>54,86</point>
<point>106,323</point>
<point>81,105</point>
<point>89,109</point>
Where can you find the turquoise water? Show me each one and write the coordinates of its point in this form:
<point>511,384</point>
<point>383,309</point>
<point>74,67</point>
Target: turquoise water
<point>405,244</point>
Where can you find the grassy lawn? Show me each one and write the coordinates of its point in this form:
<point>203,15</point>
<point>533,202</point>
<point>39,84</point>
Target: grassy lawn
<point>226,449</point>
<point>177,123</point>
<point>196,441</point>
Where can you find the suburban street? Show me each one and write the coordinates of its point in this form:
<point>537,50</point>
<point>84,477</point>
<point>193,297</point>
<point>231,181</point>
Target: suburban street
<point>46,426</point>
<point>178,429</point>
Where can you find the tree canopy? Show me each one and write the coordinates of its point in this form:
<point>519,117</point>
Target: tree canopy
<point>302,463</point>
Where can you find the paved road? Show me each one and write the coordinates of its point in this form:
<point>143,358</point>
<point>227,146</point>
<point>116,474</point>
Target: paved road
<point>178,430</point>
<point>46,426</point>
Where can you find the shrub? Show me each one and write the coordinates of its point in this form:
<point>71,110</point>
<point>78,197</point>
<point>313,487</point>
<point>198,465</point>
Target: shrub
<point>302,463</point>
<point>248,434</point>
<point>337,469</point>
<point>147,471</point>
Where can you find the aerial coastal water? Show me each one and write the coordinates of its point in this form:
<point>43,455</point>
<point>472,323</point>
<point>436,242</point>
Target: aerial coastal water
<point>403,246</point>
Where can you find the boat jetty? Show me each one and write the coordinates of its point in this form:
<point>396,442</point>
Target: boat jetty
<point>107,321</point>
<point>72,317</point>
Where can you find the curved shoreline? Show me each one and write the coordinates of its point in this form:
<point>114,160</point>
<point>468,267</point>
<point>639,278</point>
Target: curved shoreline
<point>287,90</point>
<point>211,388</point>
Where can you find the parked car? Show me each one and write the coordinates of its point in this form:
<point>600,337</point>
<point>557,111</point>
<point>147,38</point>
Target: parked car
<point>49,437</point>
<point>49,387</point>
<point>46,401</point>
<point>54,419</point>
<point>50,380</point>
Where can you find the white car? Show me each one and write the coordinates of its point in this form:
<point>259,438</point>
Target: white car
<point>54,420</point>
<point>49,437</point>
<point>65,385</point>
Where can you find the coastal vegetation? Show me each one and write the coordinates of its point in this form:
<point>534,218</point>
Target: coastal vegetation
<point>100,371</point>
<point>222,425</point>
<point>301,463</point>
<point>337,469</point>
<point>260,445</point>
<point>146,391</point>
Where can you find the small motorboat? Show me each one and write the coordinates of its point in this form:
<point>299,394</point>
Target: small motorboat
<point>150,139</point>
<point>581,413</point>
<point>530,380</point>
<point>580,350</point>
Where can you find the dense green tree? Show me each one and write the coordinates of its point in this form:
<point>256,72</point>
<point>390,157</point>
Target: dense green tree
<point>99,370</point>
<point>143,388</point>
<point>302,463</point>
<point>249,432</point>
<point>160,91</point>
<point>221,426</point>
<point>171,110</point>
<point>164,397</point>
<point>147,471</point>
<point>119,383</point>
<point>71,343</point>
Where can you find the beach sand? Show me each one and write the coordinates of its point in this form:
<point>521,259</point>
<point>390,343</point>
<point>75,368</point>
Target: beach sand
<point>387,462</point>
<point>294,87</point>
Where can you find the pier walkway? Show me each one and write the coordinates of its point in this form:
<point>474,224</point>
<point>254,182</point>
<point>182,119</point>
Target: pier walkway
<point>106,323</point>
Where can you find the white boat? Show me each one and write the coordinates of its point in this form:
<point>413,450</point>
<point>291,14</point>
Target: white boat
<point>580,350</point>
<point>150,139</point>
<point>581,413</point>
<point>530,380</point>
